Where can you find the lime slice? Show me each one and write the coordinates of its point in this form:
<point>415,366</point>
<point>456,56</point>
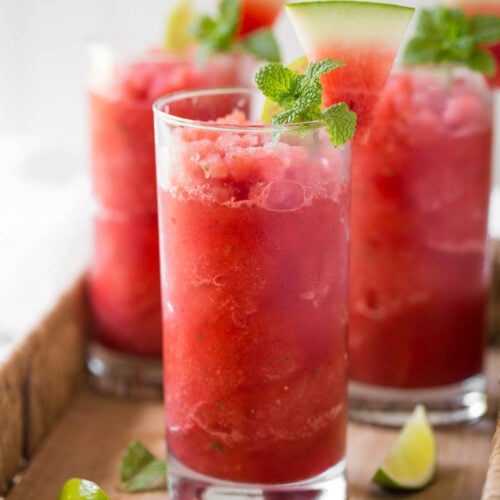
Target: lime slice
<point>178,36</point>
<point>81,489</point>
<point>411,463</point>
<point>272,108</point>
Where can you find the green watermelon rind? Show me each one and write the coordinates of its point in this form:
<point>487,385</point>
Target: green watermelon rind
<point>357,22</point>
<point>365,35</point>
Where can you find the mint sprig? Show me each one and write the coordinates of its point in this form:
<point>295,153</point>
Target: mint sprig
<point>444,34</point>
<point>300,97</point>
<point>219,34</point>
<point>140,470</point>
<point>262,45</point>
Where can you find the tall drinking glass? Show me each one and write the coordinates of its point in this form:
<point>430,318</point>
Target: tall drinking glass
<point>492,8</point>
<point>254,263</point>
<point>419,259</point>
<point>124,281</point>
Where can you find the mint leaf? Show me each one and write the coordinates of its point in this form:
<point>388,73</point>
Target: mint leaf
<point>262,45</point>
<point>202,28</point>
<point>277,83</point>
<point>140,470</point>
<point>153,476</point>
<point>319,68</point>
<point>219,34</point>
<point>485,28</point>
<point>421,49</point>
<point>465,46</point>
<point>483,61</point>
<point>340,123</point>
<point>229,21</point>
<point>309,89</point>
<point>135,457</point>
<point>447,35</point>
<point>295,115</point>
<point>300,97</point>
<point>425,23</point>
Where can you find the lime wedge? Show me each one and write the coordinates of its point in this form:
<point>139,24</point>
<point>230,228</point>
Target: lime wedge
<point>178,37</point>
<point>272,108</point>
<point>411,463</point>
<point>81,489</point>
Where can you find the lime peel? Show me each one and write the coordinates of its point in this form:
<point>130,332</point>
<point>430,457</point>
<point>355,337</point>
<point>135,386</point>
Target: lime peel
<point>178,36</point>
<point>411,462</point>
<point>81,489</point>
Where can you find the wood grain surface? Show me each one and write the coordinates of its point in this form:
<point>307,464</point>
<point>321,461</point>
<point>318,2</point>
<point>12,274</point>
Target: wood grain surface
<point>38,380</point>
<point>90,437</point>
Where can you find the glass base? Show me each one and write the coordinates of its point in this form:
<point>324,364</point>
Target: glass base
<point>123,375</point>
<point>451,404</point>
<point>183,483</point>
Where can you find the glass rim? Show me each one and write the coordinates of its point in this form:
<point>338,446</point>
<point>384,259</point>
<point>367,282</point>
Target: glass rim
<point>171,119</point>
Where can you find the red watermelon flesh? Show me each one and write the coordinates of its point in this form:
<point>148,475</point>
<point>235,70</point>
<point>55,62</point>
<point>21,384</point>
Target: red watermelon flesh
<point>366,36</point>
<point>258,14</point>
<point>359,83</point>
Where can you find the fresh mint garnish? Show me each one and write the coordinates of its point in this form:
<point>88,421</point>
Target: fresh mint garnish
<point>140,470</point>
<point>300,97</point>
<point>219,34</point>
<point>151,477</point>
<point>340,123</point>
<point>262,45</point>
<point>447,35</point>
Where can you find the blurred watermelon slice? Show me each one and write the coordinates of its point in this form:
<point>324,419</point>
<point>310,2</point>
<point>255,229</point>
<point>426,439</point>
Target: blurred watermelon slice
<point>257,14</point>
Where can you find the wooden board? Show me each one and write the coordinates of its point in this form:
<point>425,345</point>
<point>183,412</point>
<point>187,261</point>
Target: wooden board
<point>37,379</point>
<point>491,489</point>
<point>90,437</point>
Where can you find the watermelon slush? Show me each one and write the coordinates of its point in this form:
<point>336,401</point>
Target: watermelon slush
<point>253,245</point>
<point>124,283</point>
<point>419,277</point>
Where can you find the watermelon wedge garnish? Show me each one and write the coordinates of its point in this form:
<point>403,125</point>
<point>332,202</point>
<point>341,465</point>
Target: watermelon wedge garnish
<point>365,36</point>
<point>258,14</point>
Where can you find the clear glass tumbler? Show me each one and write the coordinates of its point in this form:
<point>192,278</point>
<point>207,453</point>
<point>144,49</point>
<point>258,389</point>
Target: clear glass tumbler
<point>420,265</point>
<point>123,281</point>
<point>254,227</point>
